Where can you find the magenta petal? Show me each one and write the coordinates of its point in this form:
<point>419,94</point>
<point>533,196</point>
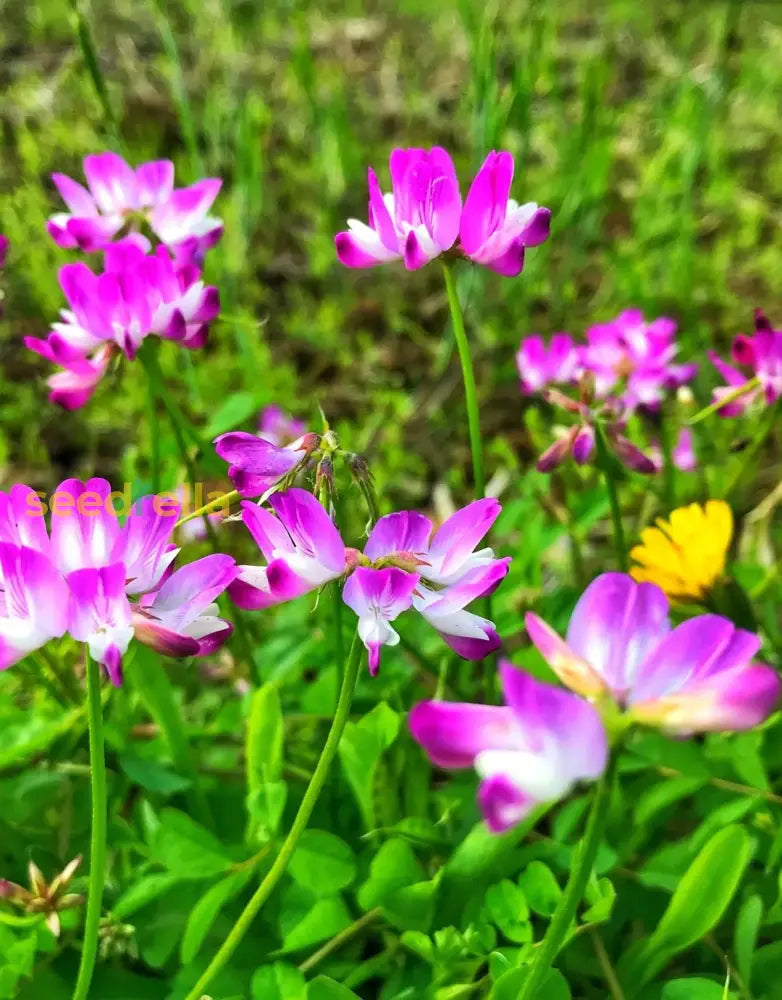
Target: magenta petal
<point>351,252</point>
<point>310,527</point>
<point>254,461</point>
<point>542,709</point>
<point>415,256</point>
<point>473,649</point>
<point>112,664</point>
<point>22,519</point>
<point>693,652</point>
<point>191,589</point>
<point>379,217</point>
<point>164,640</point>
<point>511,261</point>
<point>486,203</point>
<point>453,734</point>
<point>84,526</point>
<point>503,803</point>
<point>404,531</point>
<point>615,624</point>
<point>583,445</point>
<point>455,540</point>
<point>76,197</point>
<point>538,228</point>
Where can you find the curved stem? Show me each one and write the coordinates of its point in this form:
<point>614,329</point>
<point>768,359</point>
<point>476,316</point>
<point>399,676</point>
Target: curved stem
<point>98,841</point>
<point>468,375</point>
<point>311,796</point>
<point>604,461</point>
<point>220,503</point>
<point>580,871</point>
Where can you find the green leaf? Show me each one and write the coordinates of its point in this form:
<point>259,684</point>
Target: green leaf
<point>508,986</point>
<point>324,988</point>
<point>153,686</point>
<point>363,744</point>
<point>601,895</point>
<point>265,732</point>
<point>540,888</point>
<point>700,899</point>
<point>507,908</point>
<point>393,867</point>
<point>693,989</point>
<point>746,935</point>
<point>207,909</point>
<point>325,919</point>
<point>413,906</point>
<point>322,863</point>
<point>27,733</point>
<point>279,981</point>
<point>234,410</point>
<point>185,848</point>
<point>151,775</point>
<point>143,892</point>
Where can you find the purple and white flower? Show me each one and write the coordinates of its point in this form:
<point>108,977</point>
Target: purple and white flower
<point>532,750</point>
<point>416,222</point>
<point>256,463</point>
<point>541,365</point>
<point>494,229</point>
<point>301,545</point>
<point>762,355</point>
<point>81,577</point>
<point>698,677</point>
<point>117,196</point>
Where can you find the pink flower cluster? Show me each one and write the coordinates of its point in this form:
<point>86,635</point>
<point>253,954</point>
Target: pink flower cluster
<point>698,677</point>
<point>402,566</point>
<point>628,359</point>
<point>423,216</point>
<point>142,291</point>
<point>761,354</point>
<point>100,581</point>
<point>626,365</point>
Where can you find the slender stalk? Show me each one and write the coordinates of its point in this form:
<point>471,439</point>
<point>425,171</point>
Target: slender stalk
<point>98,838</point>
<point>311,796</point>
<point>749,386</point>
<point>583,860</point>
<point>604,461</point>
<point>92,63</point>
<point>338,940</point>
<point>154,436</point>
<point>468,375</point>
<point>214,505</point>
<point>609,975</point>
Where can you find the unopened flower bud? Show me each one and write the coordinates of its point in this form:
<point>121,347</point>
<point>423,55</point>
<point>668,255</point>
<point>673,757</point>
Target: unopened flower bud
<point>308,442</point>
<point>359,467</point>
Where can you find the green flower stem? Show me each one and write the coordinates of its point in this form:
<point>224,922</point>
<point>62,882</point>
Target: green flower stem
<point>214,505</point>
<point>729,397</point>
<point>583,860</point>
<point>98,838</point>
<point>154,436</point>
<point>468,375</point>
<point>311,796</point>
<point>604,461</point>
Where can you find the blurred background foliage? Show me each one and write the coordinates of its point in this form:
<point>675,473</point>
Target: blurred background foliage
<point>651,130</point>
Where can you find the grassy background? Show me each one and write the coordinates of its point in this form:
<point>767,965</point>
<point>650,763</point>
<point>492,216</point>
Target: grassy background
<point>651,130</point>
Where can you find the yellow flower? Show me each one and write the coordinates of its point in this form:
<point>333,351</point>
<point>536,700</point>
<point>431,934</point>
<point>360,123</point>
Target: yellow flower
<point>685,555</point>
